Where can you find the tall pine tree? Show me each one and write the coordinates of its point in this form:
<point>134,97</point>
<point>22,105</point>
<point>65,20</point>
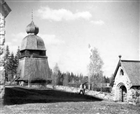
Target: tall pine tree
<point>7,52</point>
<point>11,64</point>
<point>6,59</point>
<point>16,60</point>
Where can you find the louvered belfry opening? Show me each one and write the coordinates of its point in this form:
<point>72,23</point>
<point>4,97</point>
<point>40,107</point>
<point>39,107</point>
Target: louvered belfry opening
<point>33,64</point>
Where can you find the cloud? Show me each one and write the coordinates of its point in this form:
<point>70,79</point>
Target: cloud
<point>100,22</point>
<point>61,14</point>
<point>18,37</point>
<point>51,39</point>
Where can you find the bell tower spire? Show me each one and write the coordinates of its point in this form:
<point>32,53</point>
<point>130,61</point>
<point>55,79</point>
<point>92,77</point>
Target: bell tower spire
<point>32,15</point>
<point>32,28</point>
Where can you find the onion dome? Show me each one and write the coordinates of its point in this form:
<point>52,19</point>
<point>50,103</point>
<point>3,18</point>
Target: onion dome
<point>32,28</point>
<point>32,41</point>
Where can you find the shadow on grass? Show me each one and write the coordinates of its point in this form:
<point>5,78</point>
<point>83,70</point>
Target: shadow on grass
<point>18,95</point>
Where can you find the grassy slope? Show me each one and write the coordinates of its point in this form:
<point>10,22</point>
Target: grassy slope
<point>58,102</point>
<point>17,95</point>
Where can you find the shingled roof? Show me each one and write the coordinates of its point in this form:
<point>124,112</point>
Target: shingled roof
<point>132,69</point>
<point>31,69</point>
<point>32,42</point>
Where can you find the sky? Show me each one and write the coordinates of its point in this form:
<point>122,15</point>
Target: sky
<point>68,27</point>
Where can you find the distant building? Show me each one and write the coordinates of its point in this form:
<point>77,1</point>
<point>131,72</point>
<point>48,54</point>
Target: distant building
<point>33,64</point>
<point>126,80</point>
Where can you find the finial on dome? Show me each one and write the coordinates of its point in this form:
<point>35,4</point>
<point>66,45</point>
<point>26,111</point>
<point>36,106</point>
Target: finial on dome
<point>120,57</point>
<point>32,28</point>
<point>32,15</point>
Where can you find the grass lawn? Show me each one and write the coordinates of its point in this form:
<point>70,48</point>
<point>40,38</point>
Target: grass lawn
<point>97,107</point>
<point>27,101</point>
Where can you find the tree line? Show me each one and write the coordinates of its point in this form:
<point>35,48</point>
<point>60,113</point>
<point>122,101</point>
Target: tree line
<point>11,63</point>
<point>75,80</point>
<point>94,80</point>
<point>66,79</point>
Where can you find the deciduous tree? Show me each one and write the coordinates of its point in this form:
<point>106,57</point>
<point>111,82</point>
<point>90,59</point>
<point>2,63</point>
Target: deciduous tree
<point>95,69</point>
<point>56,75</point>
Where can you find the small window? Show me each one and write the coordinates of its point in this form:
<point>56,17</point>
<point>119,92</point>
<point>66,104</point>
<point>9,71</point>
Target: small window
<point>121,72</point>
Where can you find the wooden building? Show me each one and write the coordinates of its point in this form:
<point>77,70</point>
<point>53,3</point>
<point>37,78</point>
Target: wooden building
<point>33,64</point>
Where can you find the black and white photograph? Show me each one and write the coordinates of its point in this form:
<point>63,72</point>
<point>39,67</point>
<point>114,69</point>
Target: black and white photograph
<point>69,57</point>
